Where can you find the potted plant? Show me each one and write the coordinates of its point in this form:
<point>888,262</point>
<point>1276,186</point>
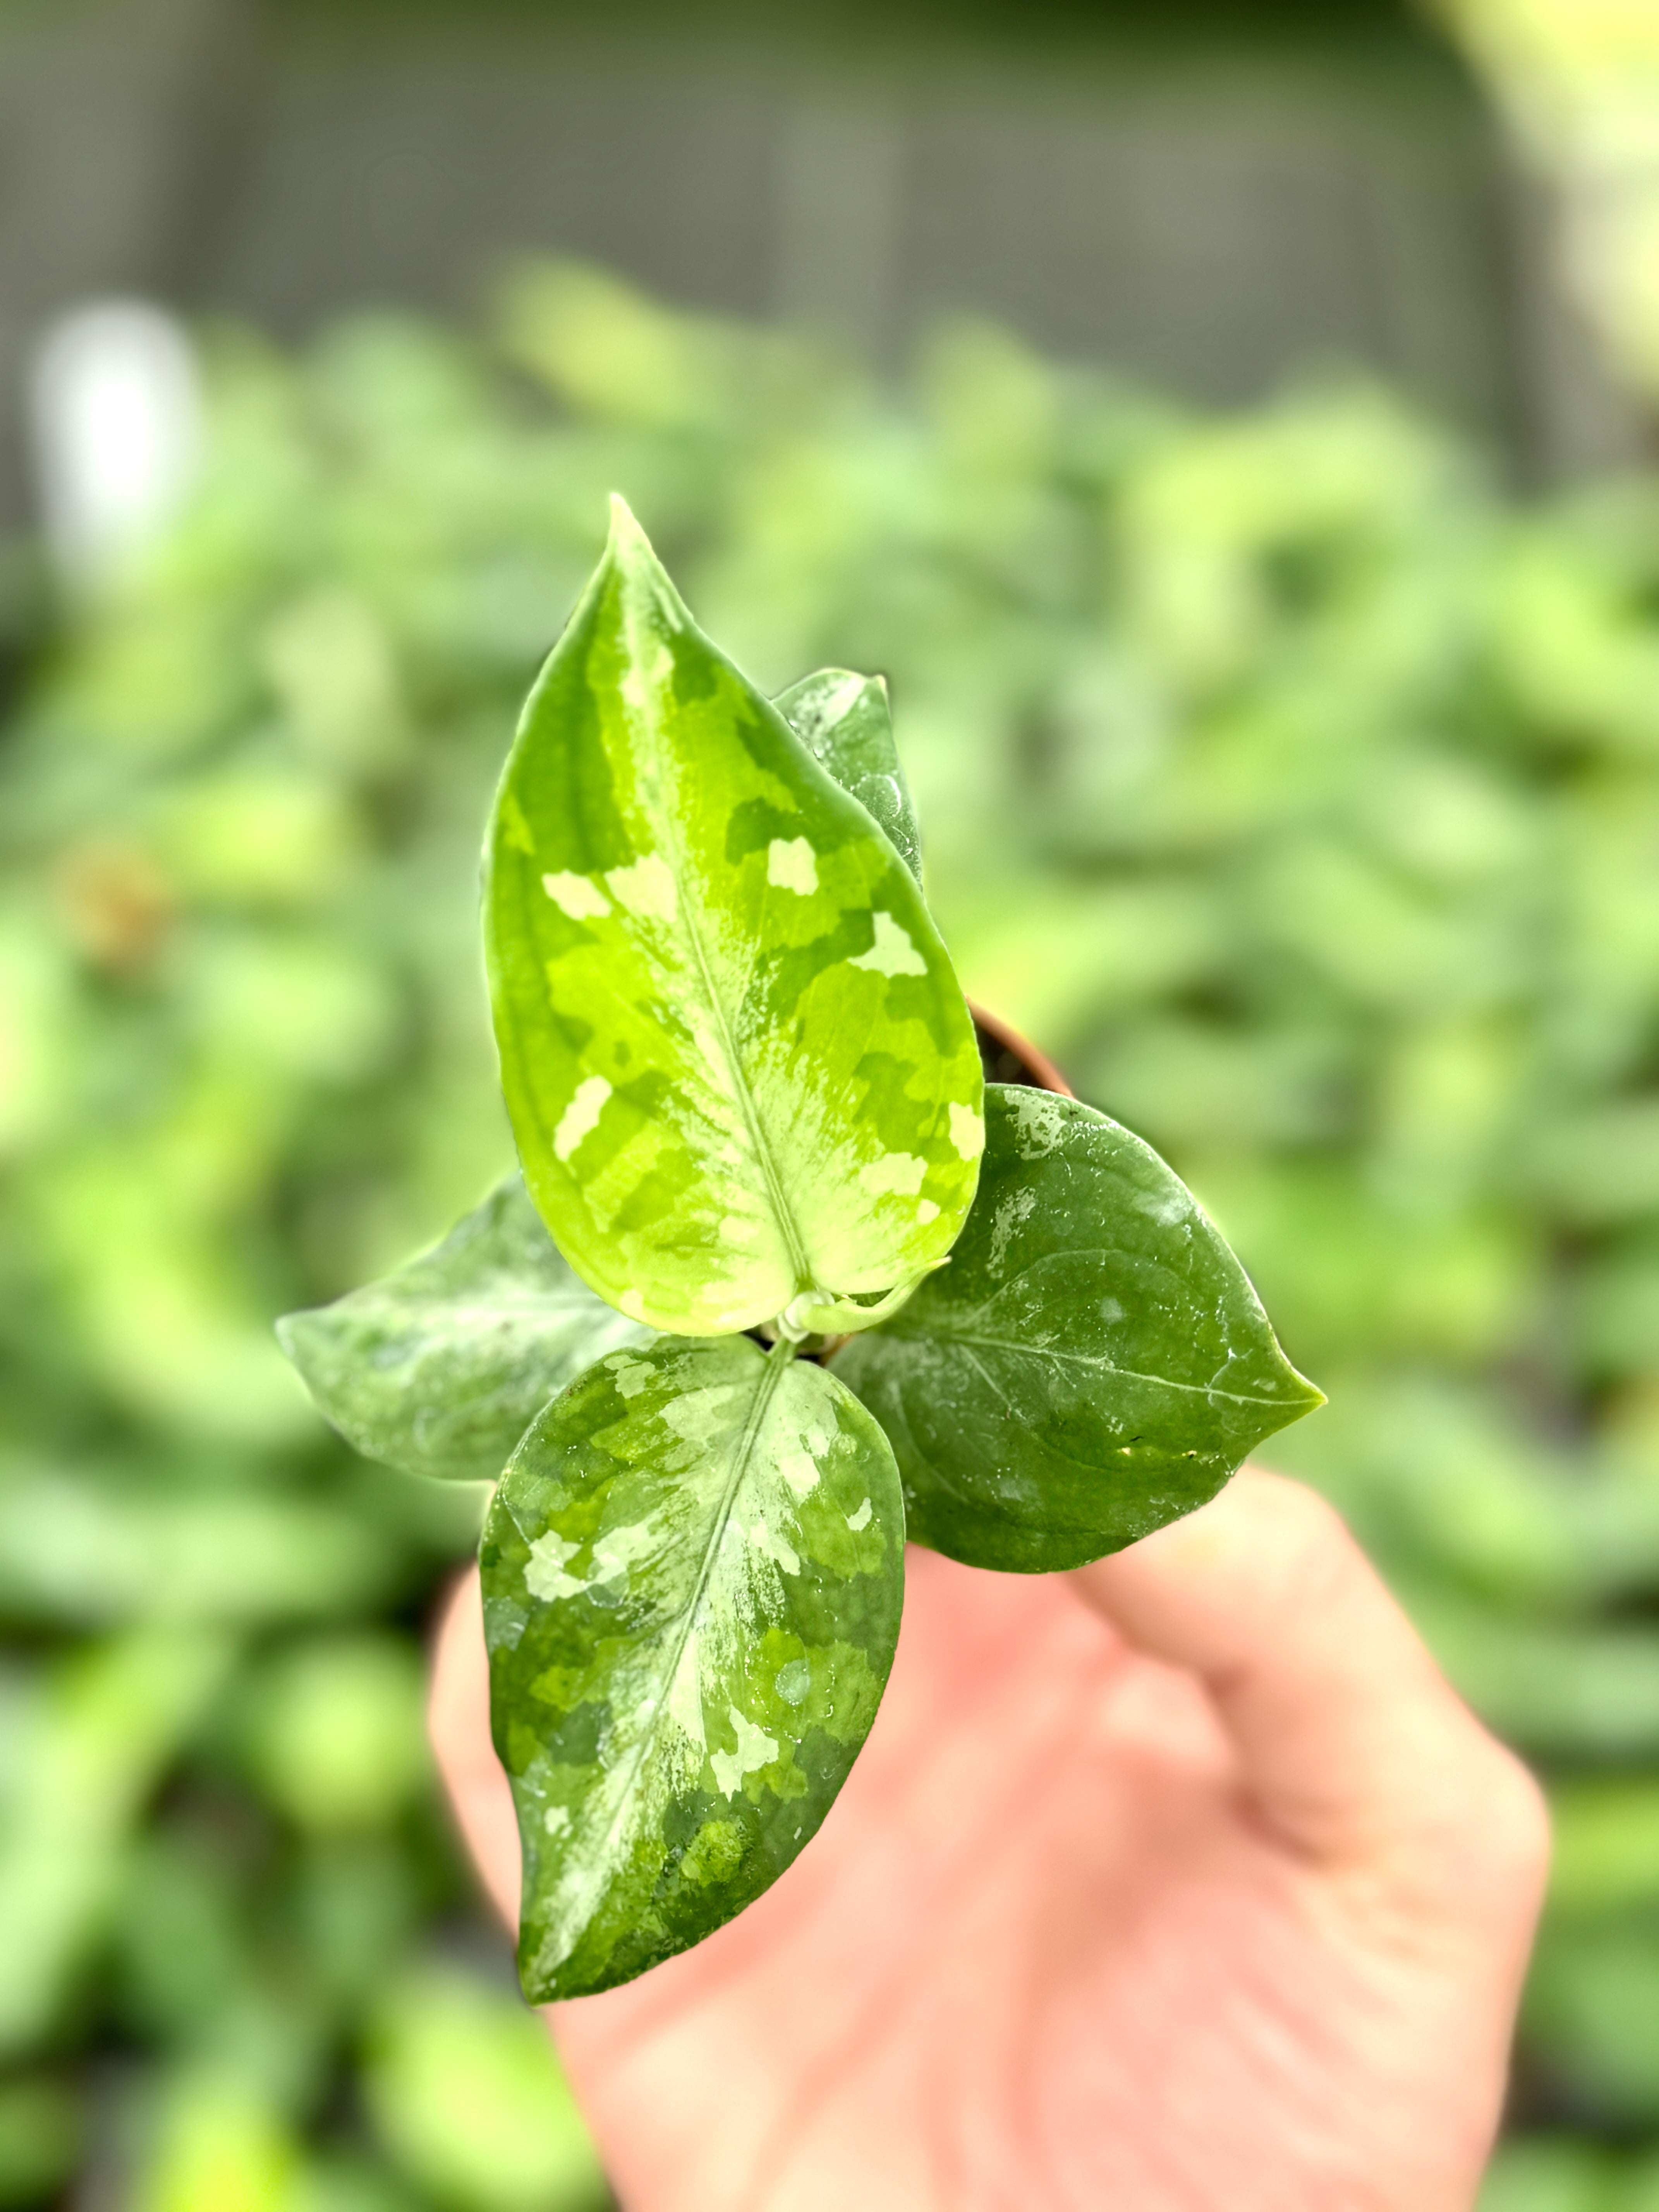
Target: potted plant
<point>784,1279</point>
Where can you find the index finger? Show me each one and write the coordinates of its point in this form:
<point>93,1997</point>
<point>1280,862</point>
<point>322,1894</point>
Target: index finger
<point>458,1722</point>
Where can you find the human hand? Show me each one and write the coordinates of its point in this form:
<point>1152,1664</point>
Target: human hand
<point>1183,1883</point>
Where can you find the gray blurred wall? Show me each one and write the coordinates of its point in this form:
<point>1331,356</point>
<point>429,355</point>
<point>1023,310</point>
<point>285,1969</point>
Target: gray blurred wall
<point>1212,212</point>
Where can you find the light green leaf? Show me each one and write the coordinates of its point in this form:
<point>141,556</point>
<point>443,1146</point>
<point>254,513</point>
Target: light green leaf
<point>86,1545</point>
<point>739,1066</point>
<point>466,2089</point>
<point>112,1719</point>
<point>692,1577</point>
<point>1093,1361</point>
<point>440,1368</point>
<point>847,723</point>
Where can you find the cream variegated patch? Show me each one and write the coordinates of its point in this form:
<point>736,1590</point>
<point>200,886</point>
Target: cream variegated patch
<point>792,865</point>
<point>576,896</point>
<point>894,1173</point>
<point>893,952</point>
<point>755,1750</point>
<point>580,1117</point>
<point>645,889</point>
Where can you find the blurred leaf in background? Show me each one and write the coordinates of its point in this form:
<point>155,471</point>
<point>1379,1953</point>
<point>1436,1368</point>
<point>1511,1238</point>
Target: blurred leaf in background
<point>1296,789</point>
<point>467,2095</point>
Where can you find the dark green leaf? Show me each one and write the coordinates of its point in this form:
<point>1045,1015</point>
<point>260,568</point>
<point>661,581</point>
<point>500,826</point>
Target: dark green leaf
<point>440,1368</point>
<point>846,722</point>
<point>692,1575</point>
<point>1092,1363</point>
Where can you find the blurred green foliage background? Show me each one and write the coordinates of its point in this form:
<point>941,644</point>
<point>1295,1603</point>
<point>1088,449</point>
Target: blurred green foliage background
<point>1293,786</point>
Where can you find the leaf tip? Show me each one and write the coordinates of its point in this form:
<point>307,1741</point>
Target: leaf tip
<point>630,556</point>
<point>1312,1397</point>
<point>627,539</point>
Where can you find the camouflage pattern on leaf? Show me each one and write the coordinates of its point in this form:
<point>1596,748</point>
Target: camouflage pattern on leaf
<point>846,722</point>
<point>692,1577</point>
<point>1092,1363</point>
<point>440,1368</point>
<point>740,1067</point>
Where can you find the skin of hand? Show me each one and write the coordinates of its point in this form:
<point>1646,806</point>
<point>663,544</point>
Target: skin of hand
<point>1182,1883</point>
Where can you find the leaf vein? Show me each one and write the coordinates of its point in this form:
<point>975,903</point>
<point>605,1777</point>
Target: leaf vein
<point>1096,1360</point>
<point>747,1105</point>
<point>649,1715</point>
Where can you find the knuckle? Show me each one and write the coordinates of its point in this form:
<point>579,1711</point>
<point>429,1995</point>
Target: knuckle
<point>1312,1544</point>
<point>1297,1509</point>
<point>1518,1817</point>
<point>1486,1847</point>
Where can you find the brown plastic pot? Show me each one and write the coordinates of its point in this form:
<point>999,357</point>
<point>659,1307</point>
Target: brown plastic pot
<point>1009,1059</point>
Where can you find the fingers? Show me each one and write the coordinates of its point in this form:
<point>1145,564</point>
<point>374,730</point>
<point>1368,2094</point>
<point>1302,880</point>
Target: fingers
<point>458,1721</point>
<point>1354,1745</point>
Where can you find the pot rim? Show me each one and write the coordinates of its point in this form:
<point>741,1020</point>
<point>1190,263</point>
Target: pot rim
<point>1044,1074</point>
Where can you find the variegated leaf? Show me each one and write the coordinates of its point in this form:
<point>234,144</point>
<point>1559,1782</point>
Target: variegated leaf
<point>693,1573</point>
<point>847,724</point>
<point>740,1068</point>
<point>440,1368</point>
<point>1092,1363</point>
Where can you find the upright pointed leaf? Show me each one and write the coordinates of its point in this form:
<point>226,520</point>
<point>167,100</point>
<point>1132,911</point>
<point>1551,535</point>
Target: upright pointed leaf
<point>692,1577</point>
<point>848,725</point>
<point>440,1368</point>
<point>739,1066</point>
<point>1092,1363</point>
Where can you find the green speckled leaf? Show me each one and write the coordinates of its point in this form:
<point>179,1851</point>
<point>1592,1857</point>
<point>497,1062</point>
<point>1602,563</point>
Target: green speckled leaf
<point>1092,1363</point>
<point>440,1368</point>
<point>693,1573</point>
<point>740,1068</point>
<point>848,724</point>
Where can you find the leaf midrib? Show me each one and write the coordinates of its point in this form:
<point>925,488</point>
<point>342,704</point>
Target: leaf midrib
<point>1083,1359</point>
<point>781,1208</point>
<point>794,1243</point>
<point>767,1383</point>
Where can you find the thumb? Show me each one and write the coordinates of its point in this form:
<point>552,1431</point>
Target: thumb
<point>1351,1744</point>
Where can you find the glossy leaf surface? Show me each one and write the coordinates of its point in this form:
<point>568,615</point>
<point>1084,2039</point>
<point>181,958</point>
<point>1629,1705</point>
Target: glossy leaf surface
<point>847,723</point>
<point>440,1368</point>
<point>1092,1363</point>
<point>738,1065</point>
<point>692,1573</point>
